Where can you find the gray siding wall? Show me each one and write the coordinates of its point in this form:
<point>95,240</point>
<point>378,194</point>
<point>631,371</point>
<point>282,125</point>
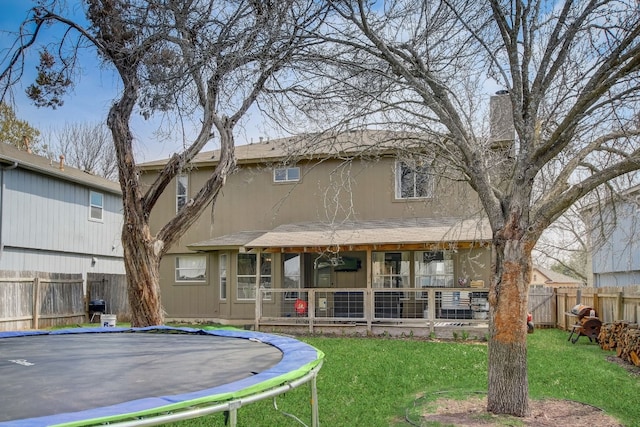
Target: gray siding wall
<point>43,213</point>
<point>616,255</point>
<point>619,278</point>
<point>45,226</point>
<point>19,259</point>
<point>620,249</point>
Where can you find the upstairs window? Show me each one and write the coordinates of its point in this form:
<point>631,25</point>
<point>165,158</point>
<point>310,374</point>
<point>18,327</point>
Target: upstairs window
<point>413,181</point>
<point>96,206</point>
<point>291,174</point>
<point>182,185</point>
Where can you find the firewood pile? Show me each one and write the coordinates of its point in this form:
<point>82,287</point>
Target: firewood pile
<point>622,337</point>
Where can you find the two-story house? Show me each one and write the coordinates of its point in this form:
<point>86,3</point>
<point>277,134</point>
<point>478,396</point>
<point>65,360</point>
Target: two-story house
<point>348,226</point>
<point>57,219</point>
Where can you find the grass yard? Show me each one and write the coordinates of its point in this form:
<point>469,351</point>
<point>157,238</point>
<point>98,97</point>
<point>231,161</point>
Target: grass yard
<point>375,381</point>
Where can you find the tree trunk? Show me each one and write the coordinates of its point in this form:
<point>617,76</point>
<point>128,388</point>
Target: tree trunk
<point>141,251</point>
<point>142,265</point>
<point>508,391</point>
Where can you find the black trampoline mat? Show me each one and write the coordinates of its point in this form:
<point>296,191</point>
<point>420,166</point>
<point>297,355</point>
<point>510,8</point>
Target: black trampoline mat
<point>52,374</point>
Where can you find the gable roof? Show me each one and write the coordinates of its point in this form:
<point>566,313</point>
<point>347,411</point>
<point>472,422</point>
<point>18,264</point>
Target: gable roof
<point>555,277</point>
<point>10,155</point>
<point>310,146</point>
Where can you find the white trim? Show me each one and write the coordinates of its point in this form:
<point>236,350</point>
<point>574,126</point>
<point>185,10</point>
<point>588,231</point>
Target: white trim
<point>92,206</point>
<point>184,180</point>
<point>398,181</point>
<point>202,259</point>
<point>223,266</point>
<point>287,176</point>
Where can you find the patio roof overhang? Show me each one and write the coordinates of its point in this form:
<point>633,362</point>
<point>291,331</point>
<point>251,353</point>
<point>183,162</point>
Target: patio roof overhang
<point>226,242</point>
<point>410,234</point>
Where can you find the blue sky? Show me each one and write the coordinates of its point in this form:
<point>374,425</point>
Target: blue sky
<point>94,92</point>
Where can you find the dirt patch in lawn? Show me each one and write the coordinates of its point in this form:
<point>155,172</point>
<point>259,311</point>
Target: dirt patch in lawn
<point>550,412</point>
<point>472,412</point>
<point>629,367</point>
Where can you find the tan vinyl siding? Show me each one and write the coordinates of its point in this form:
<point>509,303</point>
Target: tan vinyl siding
<point>187,299</point>
<point>328,191</point>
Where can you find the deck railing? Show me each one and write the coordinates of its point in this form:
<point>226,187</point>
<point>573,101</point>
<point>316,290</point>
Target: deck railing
<point>425,307</point>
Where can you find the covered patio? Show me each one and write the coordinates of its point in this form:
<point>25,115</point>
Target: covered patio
<point>394,276</point>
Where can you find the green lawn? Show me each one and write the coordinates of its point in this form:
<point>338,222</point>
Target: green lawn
<point>375,381</point>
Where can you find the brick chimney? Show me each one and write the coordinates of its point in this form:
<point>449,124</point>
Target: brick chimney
<point>502,131</point>
<point>61,162</point>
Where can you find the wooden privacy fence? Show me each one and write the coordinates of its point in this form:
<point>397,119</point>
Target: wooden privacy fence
<point>48,299</point>
<point>51,299</point>
<point>610,303</point>
<point>38,302</point>
<point>112,288</point>
<point>542,305</point>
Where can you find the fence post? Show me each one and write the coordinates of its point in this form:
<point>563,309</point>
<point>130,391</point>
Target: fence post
<point>554,307</point>
<point>36,303</point>
<point>562,308</point>
<point>559,307</point>
<point>619,306</point>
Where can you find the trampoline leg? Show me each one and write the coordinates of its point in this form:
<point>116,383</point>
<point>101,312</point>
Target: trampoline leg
<point>233,413</point>
<point>315,421</point>
<point>233,417</point>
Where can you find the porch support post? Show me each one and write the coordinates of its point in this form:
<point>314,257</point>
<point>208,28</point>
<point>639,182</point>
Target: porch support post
<point>431,293</point>
<point>311,309</point>
<point>368,295</point>
<point>258,298</point>
<point>258,311</point>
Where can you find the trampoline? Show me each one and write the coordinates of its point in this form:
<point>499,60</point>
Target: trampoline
<point>145,376</point>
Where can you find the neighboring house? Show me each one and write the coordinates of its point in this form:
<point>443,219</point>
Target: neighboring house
<point>351,212</point>
<point>615,240</point>
<point>57,219</point>
<point>541,276</point>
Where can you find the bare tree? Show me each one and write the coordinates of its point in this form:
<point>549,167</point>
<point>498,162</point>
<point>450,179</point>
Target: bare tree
<point>564,245</point>
<point>568,243</point>
<point>202,59</point>
<point>17,132</point>
<point>86,146</point>
<point>569,73</point>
